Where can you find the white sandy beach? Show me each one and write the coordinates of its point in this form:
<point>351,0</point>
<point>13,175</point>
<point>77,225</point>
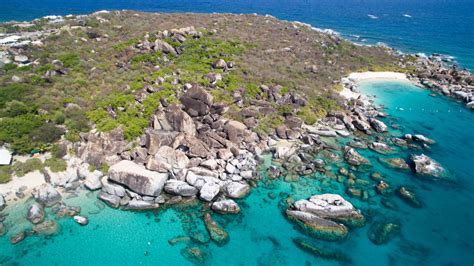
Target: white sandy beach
<point>30,181</point>
<point>358,77</point>
<point>364,76</point>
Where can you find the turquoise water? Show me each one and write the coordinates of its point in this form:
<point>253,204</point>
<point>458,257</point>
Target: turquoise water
<point>438,234</point>
<point>429,26</point>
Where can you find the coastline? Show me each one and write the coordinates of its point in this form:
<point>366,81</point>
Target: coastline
<point>237,165</point>
<point>349,91</point>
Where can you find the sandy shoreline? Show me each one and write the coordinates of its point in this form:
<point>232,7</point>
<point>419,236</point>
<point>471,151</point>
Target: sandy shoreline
<point>353,79</point>
<point>28,182</point>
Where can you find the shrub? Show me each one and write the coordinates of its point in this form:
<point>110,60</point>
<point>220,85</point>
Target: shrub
<point>56,164</point>
<point>58,151</point>
<point>15,108</point>
<point>9,66</point>
<point>15,91</point>
<point>69,60</point>
<point>268,123</point>
<point>307,115</point>
<point>30,165</point>
<point>46,133</point>
<point>5,174</point>
<point>251,90</point>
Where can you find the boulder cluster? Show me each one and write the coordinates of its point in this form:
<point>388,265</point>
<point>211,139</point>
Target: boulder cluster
<point>189,151</point>
<point>440,74</point>
<point>325,216</point>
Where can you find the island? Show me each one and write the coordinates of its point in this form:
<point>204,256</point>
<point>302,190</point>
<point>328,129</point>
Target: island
<point>157,110</point>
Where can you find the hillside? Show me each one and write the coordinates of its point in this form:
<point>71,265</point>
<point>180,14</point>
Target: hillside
<point>67,75</point>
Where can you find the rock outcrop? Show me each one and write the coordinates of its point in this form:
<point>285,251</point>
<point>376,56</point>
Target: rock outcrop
<point>137,178</point>
<point>225,206</point>
<point>325,216</point>
<point>425,166</point>
<point>46,194</point>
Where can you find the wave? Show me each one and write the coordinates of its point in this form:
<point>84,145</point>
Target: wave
<point>372,16</point>
<point>407,15</point>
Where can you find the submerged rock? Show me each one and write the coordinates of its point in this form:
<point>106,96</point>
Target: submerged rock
<point>378,125</point>
<point>321,216</point>
<point>137,178</point>
<point>15,239</point>
<point>49,227</point>
<point>217,233</point>
<point>381,232</point>
<point>2,229</point>
<point>225,206</point>
<point>409,197</point>
<point>111,200</point>
<point>383,188</point>
<point>354,158</point>
<point>3,204</point>
<point>81,220</point>
<point>318,227</point>
<point>194,254</point>
<point>138,205</point>
<point>46,194</point>
<point>236,190</point>
<point>333,207</point>
<point>321,252</point>
<point>35,213</point>
<point>422,139</point>
<point>396,163</point>
<point>425,166</point>
<point>209,191</point>
<point>381,148</point>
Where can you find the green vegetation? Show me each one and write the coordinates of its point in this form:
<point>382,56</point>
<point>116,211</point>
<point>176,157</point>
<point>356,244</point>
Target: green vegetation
<point>99,79</point>
<point>5,174</point>
<point>268,123</point>
<point>193,63</point>
<point>30,165</point>
<point>56,164</point>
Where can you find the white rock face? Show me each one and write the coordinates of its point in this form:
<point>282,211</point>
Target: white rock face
<point>236,190</point>
<point>3,204</point>
<point>181,188</point>
<point>198,181</point>
<point>46,194</point>
<point>92,181</point>
<point>424,165</point>
<point>175,158</point>
<point>209,191</point>
<point>135,204</point>
<point>35,213</point>
<point>325,205</point>
<point>283,149</point>
<point>111,188</point>
<point>225,206</point>
<point>423,139</point>
<point>210,164</point>
<point>137,178</point>
<point>378,125</point>
<point>81,220</point>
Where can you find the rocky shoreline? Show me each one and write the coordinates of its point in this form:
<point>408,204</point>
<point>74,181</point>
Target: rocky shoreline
<point>191,151</point>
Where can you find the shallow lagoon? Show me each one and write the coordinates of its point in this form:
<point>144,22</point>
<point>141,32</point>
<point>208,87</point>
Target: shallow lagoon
<point>439,233</point>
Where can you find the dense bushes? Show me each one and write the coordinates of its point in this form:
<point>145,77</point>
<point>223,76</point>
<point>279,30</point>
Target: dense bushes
<point>30,165</point>
<point>56,164</point>
<point>5,174</point>
<point>27,132</point>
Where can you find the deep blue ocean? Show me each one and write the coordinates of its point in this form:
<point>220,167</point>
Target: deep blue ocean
<point>428,26</point>
<point>440,233</point>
